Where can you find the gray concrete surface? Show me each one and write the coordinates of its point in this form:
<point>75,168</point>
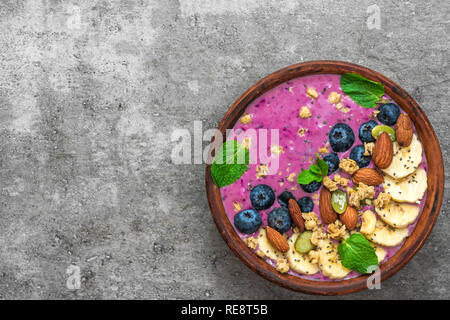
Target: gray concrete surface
<point>90,92</point>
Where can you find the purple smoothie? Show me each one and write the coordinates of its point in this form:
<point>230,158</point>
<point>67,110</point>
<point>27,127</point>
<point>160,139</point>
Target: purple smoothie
<point>279,109</point>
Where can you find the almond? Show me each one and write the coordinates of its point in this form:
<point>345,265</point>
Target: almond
<point>277,240</point>
<point>383,151</point>
<point>368,176</point>
<point>296,214</point>
<point>327,214</point>
<point>349,218</point>
<point>404,130</point>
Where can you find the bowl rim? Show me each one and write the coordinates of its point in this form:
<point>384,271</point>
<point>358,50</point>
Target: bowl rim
<point>427,219</point>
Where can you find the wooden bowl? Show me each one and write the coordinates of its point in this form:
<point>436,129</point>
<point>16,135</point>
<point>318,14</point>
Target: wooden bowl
<point>427,218</point>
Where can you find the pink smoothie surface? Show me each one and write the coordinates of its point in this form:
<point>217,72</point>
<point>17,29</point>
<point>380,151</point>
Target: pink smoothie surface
<point>279,109</point>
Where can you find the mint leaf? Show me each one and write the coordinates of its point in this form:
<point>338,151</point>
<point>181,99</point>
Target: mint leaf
<point>230,163</point>
<point>357,254</point>
<point>323,166</point>
<point>316,172</point>
<point>314,168</point>
<point>363,91</point>
<point>306,177</point>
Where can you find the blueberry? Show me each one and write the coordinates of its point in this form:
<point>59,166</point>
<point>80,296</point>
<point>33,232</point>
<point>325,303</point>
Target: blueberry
<point>262,197</point>
<point>306,204</point>
<point>283,198</point>
<point>357,154</point>
<point>279,219</point>
<point>341,137</point>
<point>247,221</point>
<point>311,187</point>
<point>365,131</point>
<point>332,159</point>
<point>389,114</point>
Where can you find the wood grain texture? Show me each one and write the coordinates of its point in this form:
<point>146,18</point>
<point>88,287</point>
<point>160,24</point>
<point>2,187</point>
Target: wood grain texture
<point>427,218</point>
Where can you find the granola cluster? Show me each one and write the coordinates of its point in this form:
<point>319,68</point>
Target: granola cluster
<point>318,235</point>
<point>251,242</point>
<point>276,149</point>
<point>247,142</point>
<point>361,193</point>
<point>305,112</point>
<point>334,97</point>
<point>341,108</point>
<point>337,230</point>
<point>291,177</point>
<point>311,220</point>
<point>282,266</point>
<point>246,119</point>
<point>260,253</point>
<point>313,255</point>
<point>323,150</point>
<point>312,93</point>
<point>340,180</point>
<point>330,184</point>
<point>381,200</point>
<point>348,165</point>
<point>368,148</point>
<point>333,185</point>
<point>262,170</point>
<point>302,131</point>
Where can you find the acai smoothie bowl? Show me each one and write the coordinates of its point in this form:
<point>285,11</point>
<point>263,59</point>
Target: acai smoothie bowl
<point>328,180</point>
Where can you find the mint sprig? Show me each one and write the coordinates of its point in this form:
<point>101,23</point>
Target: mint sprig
<point>363,91</point>
<point>316,172</point>
<point>357,254</point>
<point>322,165</point>
<point>230,163</point>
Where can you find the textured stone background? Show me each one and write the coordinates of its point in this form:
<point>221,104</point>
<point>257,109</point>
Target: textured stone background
<point>90,92</point>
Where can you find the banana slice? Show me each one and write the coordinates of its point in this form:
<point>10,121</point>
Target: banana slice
<point>409,189</point>
<point>298,262</point>
<point>379,251</point>
<point>265,246</point>
<point>329,261</point>
<point>387,236</point>
<point>398,215</point>
<point>368,222</point>
<point>406,159</point>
